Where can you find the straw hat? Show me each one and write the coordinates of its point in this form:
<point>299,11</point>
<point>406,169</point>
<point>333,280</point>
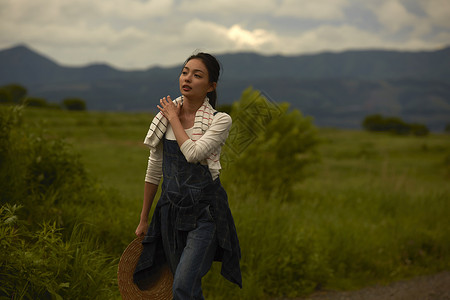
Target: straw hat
<point>161,289</point>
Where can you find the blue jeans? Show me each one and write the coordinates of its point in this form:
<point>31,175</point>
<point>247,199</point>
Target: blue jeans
<point>196,259</point>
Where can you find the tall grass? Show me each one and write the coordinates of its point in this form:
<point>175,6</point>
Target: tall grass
<point>37,263</point>
<point>374,209</point>
<point>381,210</point>
<point>56,245</point>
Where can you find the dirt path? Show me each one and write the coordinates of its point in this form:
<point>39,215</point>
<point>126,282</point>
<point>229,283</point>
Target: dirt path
<point>434,287</point>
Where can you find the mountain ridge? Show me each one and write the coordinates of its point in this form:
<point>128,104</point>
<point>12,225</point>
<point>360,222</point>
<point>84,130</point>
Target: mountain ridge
<point>337,89</point>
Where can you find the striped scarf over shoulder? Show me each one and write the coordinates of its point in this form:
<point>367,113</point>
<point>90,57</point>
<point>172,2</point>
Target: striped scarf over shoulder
<point>203,119</point>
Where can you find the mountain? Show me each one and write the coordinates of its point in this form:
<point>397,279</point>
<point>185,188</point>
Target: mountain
<point>351,64</point>
<point>337,89</point>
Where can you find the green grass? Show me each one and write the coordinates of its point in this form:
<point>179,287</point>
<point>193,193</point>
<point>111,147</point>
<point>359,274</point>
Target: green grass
<point>38,263</point>
<point>110,144</point>
<point>380,201</point>
<point>374,209</point>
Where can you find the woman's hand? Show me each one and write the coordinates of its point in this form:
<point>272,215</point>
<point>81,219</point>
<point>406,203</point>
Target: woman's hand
<point>168,108</point>
<point>141,229</point>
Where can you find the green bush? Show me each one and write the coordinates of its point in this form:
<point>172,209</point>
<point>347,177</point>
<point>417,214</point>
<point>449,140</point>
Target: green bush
<point>5,97</point>
<point>10,167</point>
<point>269,147</point>
<point>12,93</point>
<point>419,129</point>
<point>62,260</point>
<point>38,171</point>
<point>17,94</point>
<point>393,125</point>
<point>36,102</point>
<point>39,264</point>
<point>74,104</point>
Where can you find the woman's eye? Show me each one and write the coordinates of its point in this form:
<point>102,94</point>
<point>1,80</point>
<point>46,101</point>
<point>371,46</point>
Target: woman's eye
<point>197,76</point>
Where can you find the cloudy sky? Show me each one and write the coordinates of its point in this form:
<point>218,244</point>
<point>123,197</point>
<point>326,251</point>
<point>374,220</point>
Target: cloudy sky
<point>137,34</point>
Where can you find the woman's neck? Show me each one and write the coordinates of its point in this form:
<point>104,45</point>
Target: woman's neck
<point>190,106</point>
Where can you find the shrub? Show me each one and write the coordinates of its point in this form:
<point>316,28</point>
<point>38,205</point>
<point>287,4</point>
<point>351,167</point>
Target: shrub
<point>4,96</point>
<point>37,171</point>
<point>393,125</point>
<point>419,129</point>
<point>39,264</point>
<point>269,147</point>
<point>40,174</point>
<point>74,104</point>
<point>373,123</point>
<point>35,102</point>
<point>17,94</point>
<point>10,167</point>
<point>12,93</point>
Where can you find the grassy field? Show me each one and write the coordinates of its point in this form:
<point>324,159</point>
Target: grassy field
<point>374,208</point>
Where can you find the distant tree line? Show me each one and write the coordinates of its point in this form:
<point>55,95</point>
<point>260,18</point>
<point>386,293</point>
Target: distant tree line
<point>16,94</point>
<point>393,125</point>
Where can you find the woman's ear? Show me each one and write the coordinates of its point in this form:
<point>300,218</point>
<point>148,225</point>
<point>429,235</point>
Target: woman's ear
<point>212,87</point>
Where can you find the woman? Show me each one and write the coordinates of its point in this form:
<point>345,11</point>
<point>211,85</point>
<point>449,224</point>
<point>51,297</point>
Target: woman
<point>192,223</point>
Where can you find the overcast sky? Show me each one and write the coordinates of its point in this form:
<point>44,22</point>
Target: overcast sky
<point>137,34</point>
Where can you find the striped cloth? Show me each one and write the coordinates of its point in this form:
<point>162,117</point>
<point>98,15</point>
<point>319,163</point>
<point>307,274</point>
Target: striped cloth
<point>203,120</point>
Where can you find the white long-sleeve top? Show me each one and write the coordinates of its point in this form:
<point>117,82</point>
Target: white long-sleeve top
<point>194,151</point>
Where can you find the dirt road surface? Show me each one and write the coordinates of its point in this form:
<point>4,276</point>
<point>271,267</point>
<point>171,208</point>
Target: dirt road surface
<point>433,287</point>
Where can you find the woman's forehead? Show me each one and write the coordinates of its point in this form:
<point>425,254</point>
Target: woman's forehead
<point>196,64</point>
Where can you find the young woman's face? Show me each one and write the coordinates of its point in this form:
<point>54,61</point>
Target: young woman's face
<point>194,80</point>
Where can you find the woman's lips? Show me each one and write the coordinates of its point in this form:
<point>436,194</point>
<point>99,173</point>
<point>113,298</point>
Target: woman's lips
<point>186,88</point>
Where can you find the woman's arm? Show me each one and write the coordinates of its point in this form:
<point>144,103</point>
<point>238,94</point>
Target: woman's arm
<point>150,190</point>
<point>211,140</point>
<point>152,179</point>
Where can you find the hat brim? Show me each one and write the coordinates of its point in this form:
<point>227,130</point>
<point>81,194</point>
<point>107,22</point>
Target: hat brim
<point>161,289</point>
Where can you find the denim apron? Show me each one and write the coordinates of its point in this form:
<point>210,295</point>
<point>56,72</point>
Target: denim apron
<point>187,191</point>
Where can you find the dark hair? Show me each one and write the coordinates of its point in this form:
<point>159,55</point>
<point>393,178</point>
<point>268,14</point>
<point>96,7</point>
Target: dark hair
<point>213,66</point>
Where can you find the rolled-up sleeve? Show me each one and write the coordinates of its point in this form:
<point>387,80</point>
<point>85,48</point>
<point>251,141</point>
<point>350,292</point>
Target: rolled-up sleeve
<point>154,166</point>
<point>211,141</point>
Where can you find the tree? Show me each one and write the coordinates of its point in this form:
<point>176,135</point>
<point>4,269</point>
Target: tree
<point>419,129</point>
<point>397,126</point>
<point>394,125</point>
<point>4,96</point>
<point>13,93</point>
<point>269,147</point>
<point>74,104</point>
<point>35,102</point>
<point>373,123</point>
